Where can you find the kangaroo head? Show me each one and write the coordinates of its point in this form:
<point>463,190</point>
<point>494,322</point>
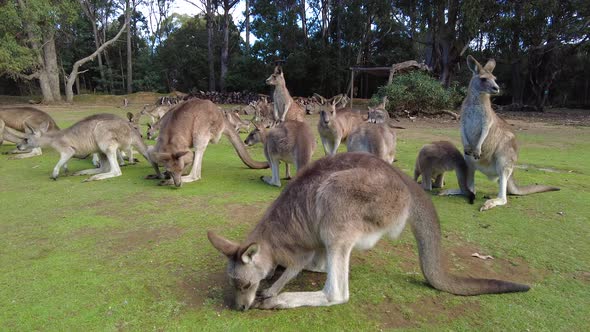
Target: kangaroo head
<point>276,78</point>
<point>255,136</point>
<point>482,81</point>
<point>328,109</point>
<point>247,266</point>
<point>174,164</point>
<point>151,132</point>
<point>32,136</point>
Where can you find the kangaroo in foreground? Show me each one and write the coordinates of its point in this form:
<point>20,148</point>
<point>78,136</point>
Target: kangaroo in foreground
<point>336,204</point>
<point>102,133</point>
<point>335,126</point>
<point>434,160</point>
<point>13,122</point>
<point>489,144</point>
<point>292,142</point>
<point>379,139</point>
<point>284,107</point>
<point>193,124</point>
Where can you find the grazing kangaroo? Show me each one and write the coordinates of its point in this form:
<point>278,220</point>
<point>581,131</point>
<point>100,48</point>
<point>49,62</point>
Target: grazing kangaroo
<point>155,112</point>
<point>193,124</point>
<point>489,144</point>
<point>292,142</point>
<point>13,122</point>
<point>379,139</point>
<point>336,204</point>
<point>335,126</point>
<point>103,133</point>
<point>434,160</point>
<point>284,107</point>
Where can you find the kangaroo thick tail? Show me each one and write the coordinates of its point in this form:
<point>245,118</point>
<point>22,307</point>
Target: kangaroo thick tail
<point>426,228</point>
<point>514,189</point>
<point>241,150</point>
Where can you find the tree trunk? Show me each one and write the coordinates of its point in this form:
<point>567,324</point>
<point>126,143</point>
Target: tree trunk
<point>303,19</point>
<point>225,46</point>
<point>210,45</point>
<point>129,58</point>
<point>248,27</point>
<point>50,58</point>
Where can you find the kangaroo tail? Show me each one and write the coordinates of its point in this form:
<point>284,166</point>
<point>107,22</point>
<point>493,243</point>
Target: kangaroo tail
<point>426,229</point>
<point>514,189</point>
<point>241,150</point>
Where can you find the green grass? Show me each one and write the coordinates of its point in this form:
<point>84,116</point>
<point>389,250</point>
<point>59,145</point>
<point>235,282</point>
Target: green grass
<point>125,254</point>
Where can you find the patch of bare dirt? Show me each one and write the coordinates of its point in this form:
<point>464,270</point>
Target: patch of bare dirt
<point>556,116</point>
<point>583,276</point>
<point>240,213</point>
<point>425,311</point>
<point>140,238</point>
<point>211,288</point>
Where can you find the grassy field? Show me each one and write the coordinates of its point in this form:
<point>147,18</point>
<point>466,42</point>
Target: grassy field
<point>125,254</point>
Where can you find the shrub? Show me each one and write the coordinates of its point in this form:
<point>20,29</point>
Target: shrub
<point>418,92</point>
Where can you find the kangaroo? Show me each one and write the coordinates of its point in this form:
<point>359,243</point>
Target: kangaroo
<point>236,121</point>
<point>103,133</point>
<point>489,144</point>
<point>193,124</point>
<point>338,203</point>
<point>434,160</point>
<point>13,125</point>
<point>292,142</point>
<point>284,108</point>
<point>334,127</point>
<point>378,115</point>
<point>155,112</point>
<point>379,139</point>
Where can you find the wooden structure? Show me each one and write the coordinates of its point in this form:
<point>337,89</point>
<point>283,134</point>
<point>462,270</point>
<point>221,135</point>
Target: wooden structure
<point>390,72</point>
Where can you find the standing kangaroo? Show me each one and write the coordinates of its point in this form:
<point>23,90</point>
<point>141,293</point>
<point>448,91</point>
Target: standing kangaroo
<point>291,142</point>
<point>335,126</point>
<point>434,160</point>
<point>336,204</point>
<point>379,139</point>
<point>489,144</point>
<point>102,133</point>
<point>193,124</point>
<point>13,123</point>
<point>284,107</point>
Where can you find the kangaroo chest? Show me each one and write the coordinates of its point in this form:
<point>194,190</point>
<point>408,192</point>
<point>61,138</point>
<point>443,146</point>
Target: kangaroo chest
<point>472,121</point>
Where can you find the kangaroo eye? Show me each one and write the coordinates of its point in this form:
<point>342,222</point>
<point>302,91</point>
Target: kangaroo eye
<point>248,285</point>
<point>483,79</point>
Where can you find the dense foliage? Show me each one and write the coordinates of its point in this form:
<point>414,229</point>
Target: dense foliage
<point>542,46</point>
<point>418,92</point>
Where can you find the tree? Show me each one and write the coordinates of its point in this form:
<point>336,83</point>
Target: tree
<point>74,73</point>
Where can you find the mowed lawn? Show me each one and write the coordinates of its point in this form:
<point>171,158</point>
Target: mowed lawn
<point>126,254</point>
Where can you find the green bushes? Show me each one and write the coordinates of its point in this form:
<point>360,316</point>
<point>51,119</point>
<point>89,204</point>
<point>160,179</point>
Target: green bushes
<point>417,92</point>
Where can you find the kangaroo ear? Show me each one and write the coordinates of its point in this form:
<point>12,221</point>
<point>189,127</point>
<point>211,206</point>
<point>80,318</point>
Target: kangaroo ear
<point>250,252</point>
<point>278,70</point>
<point>44,127</point>
<point>226,247</point>
<point>490,65</point>
<point>162,157</point>
<point>335,100</point>
<point>179,155</point>
<point>473,65</point>
<point>29,129</point>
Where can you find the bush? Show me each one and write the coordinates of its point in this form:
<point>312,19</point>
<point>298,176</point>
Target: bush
<point>417,92</point>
